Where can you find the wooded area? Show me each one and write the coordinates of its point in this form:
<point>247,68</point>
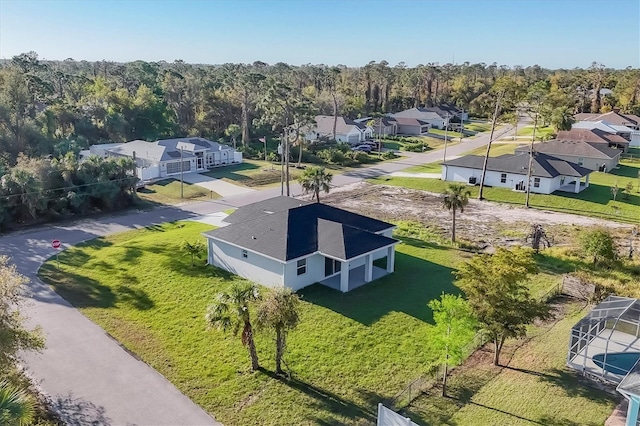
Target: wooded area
<point>50,110</point>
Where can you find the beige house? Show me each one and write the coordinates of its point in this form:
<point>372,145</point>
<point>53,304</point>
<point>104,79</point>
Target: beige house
<point>591,155</point>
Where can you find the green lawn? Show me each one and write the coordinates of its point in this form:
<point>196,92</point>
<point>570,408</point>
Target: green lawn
<point>477,126</point>
<point>425,168</point>
<point>350,351</point>
<point>432,143</point>
<point>450,134</point>
<point>535,388</point>
<point>497,149</point>
<point>541,132</point>
<point>594,201</point>
<point>168,192</point>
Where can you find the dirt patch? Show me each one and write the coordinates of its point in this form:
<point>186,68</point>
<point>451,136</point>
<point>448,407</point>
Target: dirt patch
<point>482,222</point>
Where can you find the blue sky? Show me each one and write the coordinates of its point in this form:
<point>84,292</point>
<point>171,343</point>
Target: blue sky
<point>551,33</point>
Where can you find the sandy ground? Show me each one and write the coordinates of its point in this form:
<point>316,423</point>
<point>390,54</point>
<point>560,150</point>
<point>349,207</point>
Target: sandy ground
<point>482,221</point>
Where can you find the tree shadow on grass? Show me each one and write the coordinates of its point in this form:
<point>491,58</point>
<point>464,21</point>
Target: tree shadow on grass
<point>137,298</point>
<point>327,401</point>
<point>415,283</point>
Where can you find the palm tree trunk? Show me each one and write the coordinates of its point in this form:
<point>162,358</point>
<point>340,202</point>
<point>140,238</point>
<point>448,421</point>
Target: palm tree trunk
<point>335,116</point>
<point>279,349</point>
<point>251,346</point>
<point>453,225</point>
<point>317,191</point>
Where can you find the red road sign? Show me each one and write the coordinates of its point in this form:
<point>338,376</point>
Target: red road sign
<point>55,244</point>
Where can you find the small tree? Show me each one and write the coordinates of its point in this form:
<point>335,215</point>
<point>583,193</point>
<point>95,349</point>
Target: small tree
<point>455,198</point>
<point>16,406</point>
<point>538,237</point>
<point>315,179</point>
<point>598,244</point>
<point>628,190</point>
<point>14,337</point>
<point>279,311</point>
<point>454,328</point>
<point>496,288</point>
<point>614,191</point>
<point>230,311</point>
<point>194,249</point>
<point>233,131</point>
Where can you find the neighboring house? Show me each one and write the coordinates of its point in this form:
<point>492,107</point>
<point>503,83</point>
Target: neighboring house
<point>549,174</point>
<point>285,242</point>
<point>411,126</point>
<point>424,114</point>
<point>593,156</point>
<point>385,126</point>
<point>160,159</point>
<point>594,135</point>
<point>347,130</point>
<point>613,117</point>
<point>631,135</point>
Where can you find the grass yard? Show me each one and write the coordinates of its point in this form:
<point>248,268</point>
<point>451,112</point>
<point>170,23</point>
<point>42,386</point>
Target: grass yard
<point>595,201</point>
<point>251,173</point>
<point>535,387</point>
<point>168,192</point>
<point>350,351</point>
<point>475,126</point>
<point>450,134</point>
<point>432,143</point>
<point>425,168</point>
<point>541,132</point>
<point>497,149</point>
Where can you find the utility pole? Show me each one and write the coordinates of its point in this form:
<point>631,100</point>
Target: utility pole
<point>446,128</point>
<point>287,163</point>
<point>462,125</point>
<point>282,163</point>
<point>181,174</point>
<point>535,124</point>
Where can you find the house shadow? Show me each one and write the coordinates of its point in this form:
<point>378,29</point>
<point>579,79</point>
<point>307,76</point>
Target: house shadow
<point>600,194</point>
<point>408,290</point>
<point>625,171</point>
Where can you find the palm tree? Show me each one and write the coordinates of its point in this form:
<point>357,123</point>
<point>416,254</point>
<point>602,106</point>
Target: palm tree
<point>279,311</point>
<point>194,249</point>
<point>454,199</point>
<point>315,179</point>
<point>230,311</point>
<point>16,406</point>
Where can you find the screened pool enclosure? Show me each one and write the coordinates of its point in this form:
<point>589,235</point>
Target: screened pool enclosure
<point>605,344</point>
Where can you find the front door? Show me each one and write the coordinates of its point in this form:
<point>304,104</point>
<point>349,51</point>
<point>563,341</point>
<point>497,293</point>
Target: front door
<point>200,163</point>
<point>331,266</point>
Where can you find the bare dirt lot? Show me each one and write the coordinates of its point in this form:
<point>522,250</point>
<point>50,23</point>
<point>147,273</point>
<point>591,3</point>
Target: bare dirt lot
<point>482,222</point>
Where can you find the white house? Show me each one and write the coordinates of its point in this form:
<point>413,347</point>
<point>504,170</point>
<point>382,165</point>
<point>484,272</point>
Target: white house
<point>629,134</point>
<point>162,158</point>
<point>285,242</point>
<point>549,174</point>
<point>425,115</point>
<point>347,130</point>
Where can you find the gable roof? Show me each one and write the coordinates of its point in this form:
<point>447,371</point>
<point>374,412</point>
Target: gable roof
<point>544,165</point>
<point>575,148</point>
<point>324,125</point>
<point>422,113</point>
<point>602,125</point>
<point>591,135</point>
<point>611,117</point>
<point>284,228</point>
<point>408,121</point>
<point>165,149</point>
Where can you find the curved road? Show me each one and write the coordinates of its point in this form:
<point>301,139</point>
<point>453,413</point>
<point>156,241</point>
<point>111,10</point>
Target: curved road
<point>89,377</point>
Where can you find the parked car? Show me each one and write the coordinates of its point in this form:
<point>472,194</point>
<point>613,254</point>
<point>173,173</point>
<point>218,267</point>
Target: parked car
<point>364,148</point>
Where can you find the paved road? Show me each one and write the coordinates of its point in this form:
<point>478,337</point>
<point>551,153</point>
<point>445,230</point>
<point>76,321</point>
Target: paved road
<point>88,375</point>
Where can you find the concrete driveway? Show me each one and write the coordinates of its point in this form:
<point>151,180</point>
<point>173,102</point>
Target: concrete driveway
<point>88,375</point>
<point>224,188</point>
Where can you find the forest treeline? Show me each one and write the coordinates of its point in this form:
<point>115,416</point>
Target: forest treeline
<point>49,110</point>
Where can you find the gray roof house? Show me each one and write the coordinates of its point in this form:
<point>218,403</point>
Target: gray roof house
<point>548,174</point>
<point>163,158</point>
<point>285,242</point>
<point>424,114</point>
<point>592,155</point>
<point>347,130</point>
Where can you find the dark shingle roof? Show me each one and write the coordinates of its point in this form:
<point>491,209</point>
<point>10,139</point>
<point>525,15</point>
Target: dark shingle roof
<point>407,121</point>
<point>575,148</point>
<point>296,228</point>
<point>591,135</point>
<point>543,165</point>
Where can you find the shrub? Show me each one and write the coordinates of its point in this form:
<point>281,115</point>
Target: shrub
<point>388,155</point>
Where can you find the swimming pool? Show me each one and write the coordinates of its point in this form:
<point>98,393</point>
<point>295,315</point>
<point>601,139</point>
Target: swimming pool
<point>617,362</point>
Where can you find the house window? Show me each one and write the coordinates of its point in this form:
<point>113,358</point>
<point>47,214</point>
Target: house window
<point>580,161</point>
<point>503,178</point>
<point>536,182</point>
<point>331,266</point>
<point>302,266</point>
<point>245,254</point>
